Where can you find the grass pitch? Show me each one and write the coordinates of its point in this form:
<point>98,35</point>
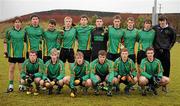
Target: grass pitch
<point>16,98</point>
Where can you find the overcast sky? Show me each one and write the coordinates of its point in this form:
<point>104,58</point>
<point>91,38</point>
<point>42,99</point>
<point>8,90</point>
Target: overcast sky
<point>12,8</point>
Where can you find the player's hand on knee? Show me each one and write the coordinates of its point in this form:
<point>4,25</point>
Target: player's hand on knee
<point>123,78</point>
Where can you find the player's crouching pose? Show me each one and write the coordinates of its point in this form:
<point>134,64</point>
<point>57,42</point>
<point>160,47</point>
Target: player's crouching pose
<point>125,71</point>
<point>151,73</point>
<point>54,73</point>
<point>79,75</point>
<point>102,73</point>
<point>32,70</point>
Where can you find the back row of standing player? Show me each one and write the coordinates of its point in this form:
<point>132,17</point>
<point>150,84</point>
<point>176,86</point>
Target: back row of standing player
<point>90,40</point>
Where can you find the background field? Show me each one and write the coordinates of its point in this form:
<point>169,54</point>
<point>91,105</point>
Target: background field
<point>17,98</point>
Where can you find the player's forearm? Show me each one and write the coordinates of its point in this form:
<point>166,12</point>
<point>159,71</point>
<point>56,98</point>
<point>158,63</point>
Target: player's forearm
<point>60,76</point>
<point>111,76</point>
<point>146,75</point>
<point>23,75</point>
<point>44,76</point>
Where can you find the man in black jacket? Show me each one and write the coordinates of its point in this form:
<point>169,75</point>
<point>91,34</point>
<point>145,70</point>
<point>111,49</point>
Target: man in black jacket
<point>165,38</point>
<point>99,38</point>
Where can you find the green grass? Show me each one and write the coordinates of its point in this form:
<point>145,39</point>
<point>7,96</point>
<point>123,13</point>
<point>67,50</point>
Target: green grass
<point>17,98</point>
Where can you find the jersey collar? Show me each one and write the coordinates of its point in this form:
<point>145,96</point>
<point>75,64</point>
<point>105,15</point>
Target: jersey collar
<point>150,61</point>
<point>146,30</point>
<point>116,28</point>
<point>130,29</point>
<point>34,26</point>
<point>67,29</point>
<point>16,29</point>
<point>51,30</point>
<point>99,28</point>
<point>125,61</point>
<point>55,63</point>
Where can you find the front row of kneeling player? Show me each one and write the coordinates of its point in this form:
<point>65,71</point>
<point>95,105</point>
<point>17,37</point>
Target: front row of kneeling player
<point>101,74</point>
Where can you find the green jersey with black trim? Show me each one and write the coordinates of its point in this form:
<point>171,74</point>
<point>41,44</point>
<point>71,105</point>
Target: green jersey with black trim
<point>149,69</point>
<point>68,38</point>
<point>34,38</point>
<point>32,68</point>
<point>124,68</point>
<point>54,71</point>
<point>51,40</point>
<point>130,37</point>
<point>79,72</point>
<point>15,43</point>
<point>114,41</point>
<point>84,37</point>
<point>145,39</point>
<point>101,69</point>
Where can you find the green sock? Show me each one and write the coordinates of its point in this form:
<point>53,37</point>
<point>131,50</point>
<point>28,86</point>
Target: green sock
<point>11,81</point>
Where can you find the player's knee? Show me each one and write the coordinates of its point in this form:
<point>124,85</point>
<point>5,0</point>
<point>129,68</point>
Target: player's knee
<point>12,67</point>
<point>165,80</point>
<point>11,70</point>
<point>41,82</point>
<point>37,80</point>
<point>142,81</point>
<point>115,81</point>
<point>60,82</point>
<point>135,80</point>
<point>22,81</point>
<point>88,83</point>
<point>66,80</point>
<point>47,85</point>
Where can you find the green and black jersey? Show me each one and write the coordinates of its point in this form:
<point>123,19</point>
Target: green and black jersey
<point>115,37</point>
<point>149,69</point>
<point>84,37</point>
<point>102,70</point>
<point>15,43</point>
<point>124,68</point>
<point>50,40</point>
<point>145,39</point>
<point>54,71</point>
<point>99,38</point>
<point>79,72</point>
<point>34,38</point>
<point>130,37</point>
<point>68,38</point>
<point>36,69</point>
